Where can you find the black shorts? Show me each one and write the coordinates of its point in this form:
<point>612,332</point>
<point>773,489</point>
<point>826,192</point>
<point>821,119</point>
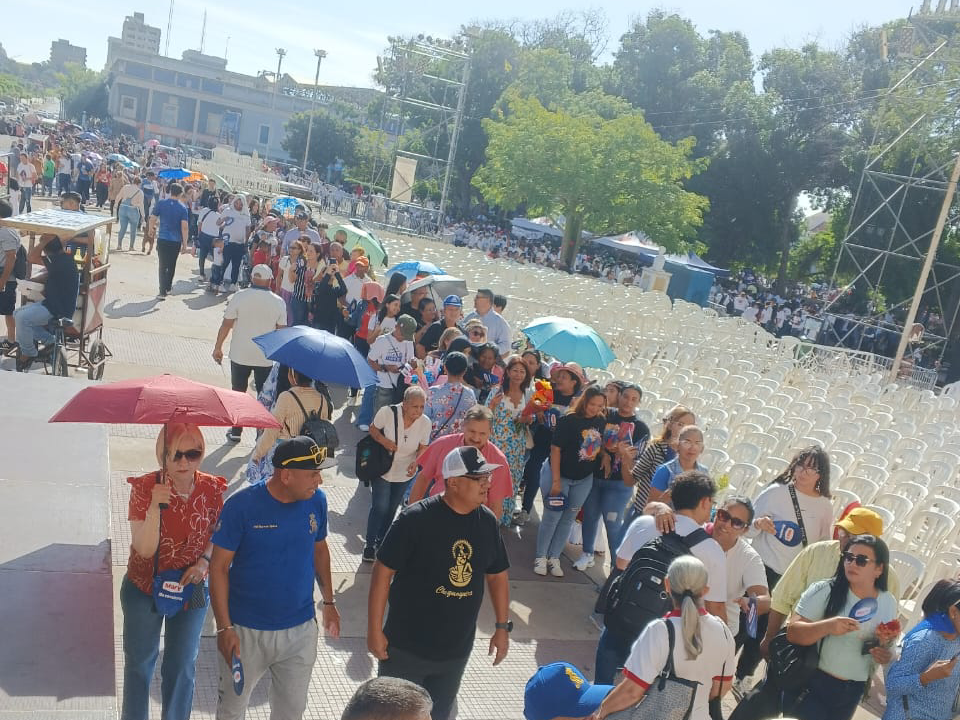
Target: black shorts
<point>8,298</point>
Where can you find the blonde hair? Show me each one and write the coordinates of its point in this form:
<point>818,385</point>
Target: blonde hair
<point>175,433</point>
<point>688,578</point>
<point>671,417</point>
<point>687,429</point>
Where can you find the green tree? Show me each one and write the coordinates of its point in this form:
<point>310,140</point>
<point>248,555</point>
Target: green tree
<point>330,138</point>
<point>608,174</point>
<point>84,91</point>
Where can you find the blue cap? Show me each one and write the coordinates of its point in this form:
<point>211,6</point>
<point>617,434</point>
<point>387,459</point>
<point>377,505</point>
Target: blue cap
<point>560,690</point>
<point>453,301</point>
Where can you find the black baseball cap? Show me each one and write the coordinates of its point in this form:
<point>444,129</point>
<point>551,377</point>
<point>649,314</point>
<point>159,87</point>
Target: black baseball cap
<point>299,453</point>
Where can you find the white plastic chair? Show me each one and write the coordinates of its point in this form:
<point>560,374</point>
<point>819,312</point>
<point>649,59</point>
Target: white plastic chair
<point>715,460</point>
<point>938,472</point>
<point>825,437</point>
<point>947,491</point>
<point>944,565</point>
<point>746,477</point>
<point>841,498</point>
<point>745,452</point>
<point>950,508</point>
<point>910,571</point>
<point>914,492</point>
<point>865,488</point>
<point>925,533</point>
<point>771,466</point>
<point>766,442</point>
<point>885,515</point>
<point>899,508</point>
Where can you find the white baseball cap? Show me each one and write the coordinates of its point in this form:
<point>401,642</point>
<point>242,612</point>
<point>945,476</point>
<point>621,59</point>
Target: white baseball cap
<point>466,460</point>
<point>261,272</point>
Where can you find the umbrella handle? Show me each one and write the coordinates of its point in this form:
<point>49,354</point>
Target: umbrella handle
<point>163,466</point>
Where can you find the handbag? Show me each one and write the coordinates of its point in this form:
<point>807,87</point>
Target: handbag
<point>796,510</point>
<point>169,596</point>
<point>373,459</point>
<point>668,698</point>
<point>791,666</point>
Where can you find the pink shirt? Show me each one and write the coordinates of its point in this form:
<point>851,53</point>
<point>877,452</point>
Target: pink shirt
<point>431,461</point>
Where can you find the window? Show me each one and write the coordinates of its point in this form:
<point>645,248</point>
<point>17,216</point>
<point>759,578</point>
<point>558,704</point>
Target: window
<point>139,70</point>
<point>128,107</point>
<point>169,115</point>
<point>212,86</point>
<point>188,81</point>
<point>167,77</point>
<point>213,123</point>
<point>264,134</point>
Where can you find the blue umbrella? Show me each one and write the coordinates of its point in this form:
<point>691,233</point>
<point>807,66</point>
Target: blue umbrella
<point>285,205</point>
<point>88,136</point>
<point>173,174</point>
<point>317,354</point>
<point>569,341</point>
<point>412,268</point>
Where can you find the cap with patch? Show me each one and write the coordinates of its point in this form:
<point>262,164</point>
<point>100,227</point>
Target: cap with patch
<point>299,453</point>
<point>560,690</point>
<point>466,460</point>
<point>407,325</point>
<point>453,301</point>
<point>261,272</point>
<point>862,521</point>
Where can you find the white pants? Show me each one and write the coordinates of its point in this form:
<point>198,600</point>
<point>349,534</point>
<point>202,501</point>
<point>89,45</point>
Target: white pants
<point>289,656</point>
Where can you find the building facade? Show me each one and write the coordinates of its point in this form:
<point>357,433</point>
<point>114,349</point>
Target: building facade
<point>136,35</point>
<point>62,52</point>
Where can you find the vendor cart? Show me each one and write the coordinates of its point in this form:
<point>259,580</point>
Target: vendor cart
<point>83,238</point>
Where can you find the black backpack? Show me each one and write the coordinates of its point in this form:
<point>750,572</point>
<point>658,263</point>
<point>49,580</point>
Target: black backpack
<point>20,264</point>
<point>638,595</point>
<point>323,433</point>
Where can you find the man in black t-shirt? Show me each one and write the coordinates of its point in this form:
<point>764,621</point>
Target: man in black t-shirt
<point>438,553</point>
<point>452,314</point>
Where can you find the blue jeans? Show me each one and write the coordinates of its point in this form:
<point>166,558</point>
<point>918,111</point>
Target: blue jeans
<point>607,500</point>
<point>612,653</point>
<point>129,216</point>
<point>829,697</point>
<point>31,320</point>
<point>233,253</point>
<point>26,193</point>
<point>367,403</point>
<point>141,646</point>
<point>204,245</point>
<point>555,526</point>
<point>387,497</point>
<point>298,308</point>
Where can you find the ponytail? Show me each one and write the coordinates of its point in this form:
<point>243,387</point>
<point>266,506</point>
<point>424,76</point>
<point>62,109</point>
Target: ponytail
<point>688,578</point>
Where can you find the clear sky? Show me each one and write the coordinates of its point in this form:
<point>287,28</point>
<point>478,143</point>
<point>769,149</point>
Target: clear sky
<point>353,33</point>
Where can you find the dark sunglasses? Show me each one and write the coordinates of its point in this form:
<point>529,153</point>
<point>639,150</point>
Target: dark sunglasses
<point>860,560</point>
<point>188,454</point>
<point>485,477</point>
<point>724,516</point>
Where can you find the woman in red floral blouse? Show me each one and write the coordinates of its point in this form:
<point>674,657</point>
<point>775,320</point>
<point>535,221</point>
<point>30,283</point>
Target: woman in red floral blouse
<point>182,532</point>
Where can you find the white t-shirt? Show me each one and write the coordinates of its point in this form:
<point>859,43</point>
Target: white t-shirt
<point>644,529</point>
<point>744,569</point>
<point>235,225</point>
<point>256,311</point>
<point>63,166</point>
<point>354,287</point>
<point>284,266</point>
<point>27,174</point>
<point>775,503</point>
<point>716,662</point>
<point>208,222</point>
<point>411,439</point>
<point>750,314</point>
<point>388,325</point>
<point>387,350</point>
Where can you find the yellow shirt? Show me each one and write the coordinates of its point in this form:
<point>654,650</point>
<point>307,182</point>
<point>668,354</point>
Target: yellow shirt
<point>815,562</point>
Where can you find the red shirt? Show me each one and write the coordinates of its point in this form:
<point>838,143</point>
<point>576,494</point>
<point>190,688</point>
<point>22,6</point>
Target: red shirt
<point>431,462</point>
<point>186,526</point>
<point>259,257</point>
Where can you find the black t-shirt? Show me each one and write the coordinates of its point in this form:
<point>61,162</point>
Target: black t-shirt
<point>62,287</point>
<point>408,309</point>
<point>431,336</point>
<point>621,429</point>
<point>441,560</point>
<point>580,440</point>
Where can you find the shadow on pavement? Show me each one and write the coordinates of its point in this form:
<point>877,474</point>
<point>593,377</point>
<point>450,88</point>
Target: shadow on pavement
<point>133,309</point>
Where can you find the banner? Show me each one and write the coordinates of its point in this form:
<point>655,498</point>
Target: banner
<point>404,174</point>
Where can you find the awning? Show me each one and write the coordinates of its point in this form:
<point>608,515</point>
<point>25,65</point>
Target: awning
<point>631,242</point>
<point>531,230</point>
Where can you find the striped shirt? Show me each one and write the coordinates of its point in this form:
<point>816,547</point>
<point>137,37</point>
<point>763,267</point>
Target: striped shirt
<point>655,454</point>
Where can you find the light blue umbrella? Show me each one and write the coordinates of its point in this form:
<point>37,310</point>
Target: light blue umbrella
<point>173,174</point>
<point>412,268</point>
<point>569,341</point>
<point>286,205</point>
<point>317,354</point>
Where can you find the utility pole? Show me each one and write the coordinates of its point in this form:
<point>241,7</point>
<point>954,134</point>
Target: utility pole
<point>273,105</point>
<point>925,271</point>
<point>321,54</point>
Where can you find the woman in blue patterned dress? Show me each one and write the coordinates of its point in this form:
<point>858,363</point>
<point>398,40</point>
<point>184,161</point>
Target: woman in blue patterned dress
<point>510,429</point>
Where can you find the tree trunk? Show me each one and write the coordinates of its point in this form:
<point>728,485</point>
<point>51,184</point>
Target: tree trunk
<point>571,238</point>
<point>786,238</point>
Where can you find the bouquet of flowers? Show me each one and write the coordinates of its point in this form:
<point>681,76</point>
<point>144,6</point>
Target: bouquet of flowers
<point>884,636</point>
<point>541,400</point>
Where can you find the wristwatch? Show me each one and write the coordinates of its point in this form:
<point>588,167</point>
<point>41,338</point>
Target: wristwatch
<point>508,626</point>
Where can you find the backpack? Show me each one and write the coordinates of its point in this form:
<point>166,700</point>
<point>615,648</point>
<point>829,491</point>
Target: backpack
<point>356,311</point>
<point>637,595</point>
<point>321,431</point>
<point>20,264</point>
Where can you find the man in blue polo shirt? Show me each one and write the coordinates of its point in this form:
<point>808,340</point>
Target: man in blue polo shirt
<point>174,221</point>
<point>269,546</point>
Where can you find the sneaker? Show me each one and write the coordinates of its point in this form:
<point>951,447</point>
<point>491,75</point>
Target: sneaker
<point>369,554</point>
<point>521,518</point>
<point>363,427</point>
<point>540,566</point>
<point>585,561</point>
<point>232,436</point>
<point>740,688</point>
<point>554,565</point>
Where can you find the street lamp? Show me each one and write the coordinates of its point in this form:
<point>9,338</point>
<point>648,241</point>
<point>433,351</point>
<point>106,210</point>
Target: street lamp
<point>276,87</point>
<point>61,106</point>
<point>321,54</point>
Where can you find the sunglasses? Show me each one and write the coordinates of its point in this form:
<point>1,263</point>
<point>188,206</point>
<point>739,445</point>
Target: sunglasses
<point>485,477</point>
<point>860,560</point>
<point>476,332</point>
<point>735,522</point>
<point>191,455</point>
<point>318,456</point>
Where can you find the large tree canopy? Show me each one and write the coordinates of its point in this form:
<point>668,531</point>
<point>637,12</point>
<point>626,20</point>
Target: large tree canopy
<point>330,138</point>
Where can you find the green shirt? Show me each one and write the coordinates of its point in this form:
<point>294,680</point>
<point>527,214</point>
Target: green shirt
<point>49,168</point>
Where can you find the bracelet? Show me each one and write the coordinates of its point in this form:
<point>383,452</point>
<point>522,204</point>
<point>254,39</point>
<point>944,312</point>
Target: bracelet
<point>206,557</point>
<point>332,602</point>
<point>224,629</point>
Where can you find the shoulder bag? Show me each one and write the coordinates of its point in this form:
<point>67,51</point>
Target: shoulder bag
<point>668,698</point>
<point>373,459</point>
<point>791,666</point>
<point>796,510</point>
<point>169,596</point>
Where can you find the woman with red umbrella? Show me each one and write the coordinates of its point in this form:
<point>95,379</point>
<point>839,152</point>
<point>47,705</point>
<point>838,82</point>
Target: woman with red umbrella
<point>171,525</point>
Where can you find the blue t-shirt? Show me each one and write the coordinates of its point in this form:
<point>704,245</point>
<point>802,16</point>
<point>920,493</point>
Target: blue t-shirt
<point>272,575</point>
<point>171,213</point>
<point>666,472</point>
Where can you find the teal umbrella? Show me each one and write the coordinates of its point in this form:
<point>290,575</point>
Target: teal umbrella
<point>370,243</point>
<point>569,340</point>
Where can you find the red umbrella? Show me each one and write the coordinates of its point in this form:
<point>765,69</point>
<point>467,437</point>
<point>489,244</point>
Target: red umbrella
<point>165,399</point>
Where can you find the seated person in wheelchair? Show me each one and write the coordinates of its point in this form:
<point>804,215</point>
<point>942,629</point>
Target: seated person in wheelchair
<point>59,298</point>
<point>72,202</point>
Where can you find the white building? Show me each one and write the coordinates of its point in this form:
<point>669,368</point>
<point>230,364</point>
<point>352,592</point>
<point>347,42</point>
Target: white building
<point>136,35</point>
